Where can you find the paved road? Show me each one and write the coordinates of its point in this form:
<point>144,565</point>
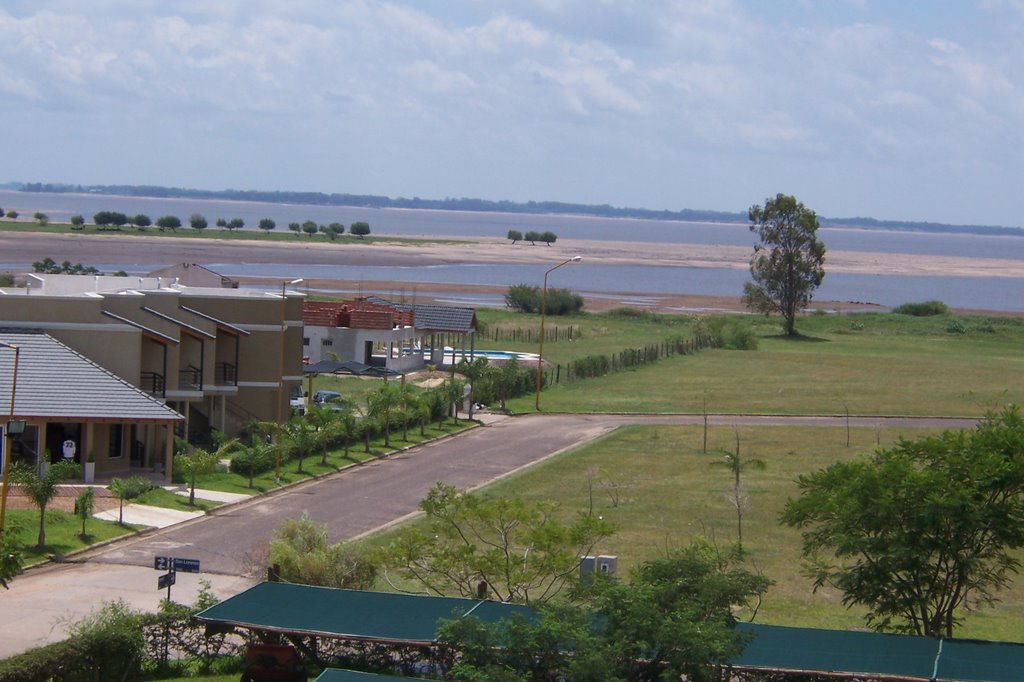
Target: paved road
<point>352,503</point>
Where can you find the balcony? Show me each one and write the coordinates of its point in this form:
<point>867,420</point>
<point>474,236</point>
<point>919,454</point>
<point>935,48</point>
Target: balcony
<point>190,379</point>
<point>154,384</point>
<point>225,374</point>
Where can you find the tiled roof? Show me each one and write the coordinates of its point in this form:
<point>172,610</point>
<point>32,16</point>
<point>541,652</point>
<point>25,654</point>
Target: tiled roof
<point>442,318</point>
<point>56,382</point>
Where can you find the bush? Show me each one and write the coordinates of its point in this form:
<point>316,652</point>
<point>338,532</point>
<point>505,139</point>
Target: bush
<point>523,298</point>
<point>300,552</point>
<point>259,461</point>
<point>923,309</point>
<point>726,332</point>
<point>954,327</point>
<point>106,645</point>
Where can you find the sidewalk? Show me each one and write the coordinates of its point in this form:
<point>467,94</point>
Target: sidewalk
<point>161,517</point>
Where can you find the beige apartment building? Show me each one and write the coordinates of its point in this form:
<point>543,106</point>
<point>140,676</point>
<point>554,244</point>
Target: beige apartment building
<point>221,357</point>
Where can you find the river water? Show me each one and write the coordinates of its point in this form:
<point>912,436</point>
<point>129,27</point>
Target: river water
<point>991,293</point>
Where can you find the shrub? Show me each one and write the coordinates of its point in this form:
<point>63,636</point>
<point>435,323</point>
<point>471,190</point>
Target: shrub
<point>726,332</point>
<point>259,460</point>
<point>301,554</point>
<point>923,309</point>
<point>523,298</point>
<point>954,327</point>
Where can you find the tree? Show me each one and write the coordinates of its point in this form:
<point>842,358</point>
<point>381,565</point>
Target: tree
<point>738,499</point>
<point>333,231</point>
<point>300,554</point>
<point>221,222</point>
<point>296,228</point>
<point>505,548</point>
<point>84,506</point>
<point>515,236</point>
<point>788,262</point>
<point>13,215</point>
<point>77,222</point>
<point>235,224</point>
<point>126,489</point>
<point>102,218</point>
<point>524,298</point>
<point>310,227</point>
<point>168,222</point>
<point>674,619</point>
<point>141,221</point>
<point>548,237</point>
<point>266,224</point>
<point>198,463</point>
<point>533,236</point>
<point>41,218</point>
<point>118,219</point>
<point>197,221</point>
<point>920,532</point>
<point>42,489</point>
<point>383,403</point>
<point>473,371</point>
<point>359,229</point>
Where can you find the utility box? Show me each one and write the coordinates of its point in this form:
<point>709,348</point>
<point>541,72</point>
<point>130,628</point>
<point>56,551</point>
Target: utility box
<point>605,565</point>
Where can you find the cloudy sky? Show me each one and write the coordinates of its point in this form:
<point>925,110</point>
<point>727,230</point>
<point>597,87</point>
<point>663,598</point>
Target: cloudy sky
<point>894,109</point>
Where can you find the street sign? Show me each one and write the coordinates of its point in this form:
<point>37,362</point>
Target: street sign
<point>167,563</point>
<point>165,580</point>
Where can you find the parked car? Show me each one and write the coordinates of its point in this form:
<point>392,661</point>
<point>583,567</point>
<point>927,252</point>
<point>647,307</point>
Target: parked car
<point>297,402</point>
<point>332,398</point>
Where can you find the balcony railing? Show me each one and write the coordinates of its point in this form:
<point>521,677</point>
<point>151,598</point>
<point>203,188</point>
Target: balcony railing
<point>154,384</point>
<point>190,378</point>
<point>225,374</point>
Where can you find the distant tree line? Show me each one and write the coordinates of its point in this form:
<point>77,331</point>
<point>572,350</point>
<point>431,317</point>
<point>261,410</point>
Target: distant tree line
<point>485,205</point>
<point>116,220</point>
<point>533,236</point>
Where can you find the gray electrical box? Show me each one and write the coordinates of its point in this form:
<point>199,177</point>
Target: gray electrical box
<point>603,564</point>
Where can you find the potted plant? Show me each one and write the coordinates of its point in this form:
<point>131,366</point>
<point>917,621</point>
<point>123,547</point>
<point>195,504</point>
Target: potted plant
<point>89,471</point>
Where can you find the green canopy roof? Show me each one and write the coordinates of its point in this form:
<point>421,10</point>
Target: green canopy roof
<point>350,614</point>
<point>410,619</point>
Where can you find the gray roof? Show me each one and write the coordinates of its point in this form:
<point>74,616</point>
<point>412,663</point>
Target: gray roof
<point>55,382</point>
<point>435,318</point>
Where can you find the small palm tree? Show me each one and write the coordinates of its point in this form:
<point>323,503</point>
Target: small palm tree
<point>473,371</point>
<point>733,462</point>
<point>200,462</point>
<point>83,507</point>
<point>325,420</point>
<point>125,489</point>
<point>42,489</point>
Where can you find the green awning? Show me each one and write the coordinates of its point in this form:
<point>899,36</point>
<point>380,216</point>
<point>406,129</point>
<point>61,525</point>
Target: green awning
<point>337,675</point>
<point>350,614</point>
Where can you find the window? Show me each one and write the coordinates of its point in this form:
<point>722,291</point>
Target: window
<point>326,342</point>
<point>305,340</point>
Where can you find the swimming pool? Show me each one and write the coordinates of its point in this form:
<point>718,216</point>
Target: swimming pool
<point>452,355</point>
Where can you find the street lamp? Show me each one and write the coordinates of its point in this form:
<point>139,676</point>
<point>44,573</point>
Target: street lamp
<point>12,425</point>
<point>543,310</point>
<point>280,384</point>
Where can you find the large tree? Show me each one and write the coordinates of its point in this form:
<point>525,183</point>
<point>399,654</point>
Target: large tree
<point>500,549</point>
<point>920,532</point>
<point>672,620</point>
<point>788,262</point>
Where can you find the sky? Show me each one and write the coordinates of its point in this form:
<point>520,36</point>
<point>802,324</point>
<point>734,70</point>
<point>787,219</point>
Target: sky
<point>894,109</point>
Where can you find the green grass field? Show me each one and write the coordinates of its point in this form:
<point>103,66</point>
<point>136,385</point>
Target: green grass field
<point>661,491</point>
<point>868,364</point>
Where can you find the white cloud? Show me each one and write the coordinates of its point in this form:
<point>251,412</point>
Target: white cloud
<point>501,94</point>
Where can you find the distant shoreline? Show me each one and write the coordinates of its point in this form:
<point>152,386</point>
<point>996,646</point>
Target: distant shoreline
<point>90,249</point>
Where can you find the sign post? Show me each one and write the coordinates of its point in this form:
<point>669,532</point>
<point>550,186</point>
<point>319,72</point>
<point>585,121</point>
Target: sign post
<point>172,565</point>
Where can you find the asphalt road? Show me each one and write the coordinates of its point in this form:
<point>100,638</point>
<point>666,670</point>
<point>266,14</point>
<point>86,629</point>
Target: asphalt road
<point>359,500</point>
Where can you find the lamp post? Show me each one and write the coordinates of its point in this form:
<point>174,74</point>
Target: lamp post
<point>543,310</point>
<point>280,384</point>
<point>7,435</point>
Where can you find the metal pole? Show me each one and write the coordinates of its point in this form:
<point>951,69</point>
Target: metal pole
<point>7,438</point>
<point>543,311</point>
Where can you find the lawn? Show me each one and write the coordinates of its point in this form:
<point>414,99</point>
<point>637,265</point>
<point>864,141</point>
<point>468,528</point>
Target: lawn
<point>867,364</point>
<point>63,532</point>
<point>661,491</point>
